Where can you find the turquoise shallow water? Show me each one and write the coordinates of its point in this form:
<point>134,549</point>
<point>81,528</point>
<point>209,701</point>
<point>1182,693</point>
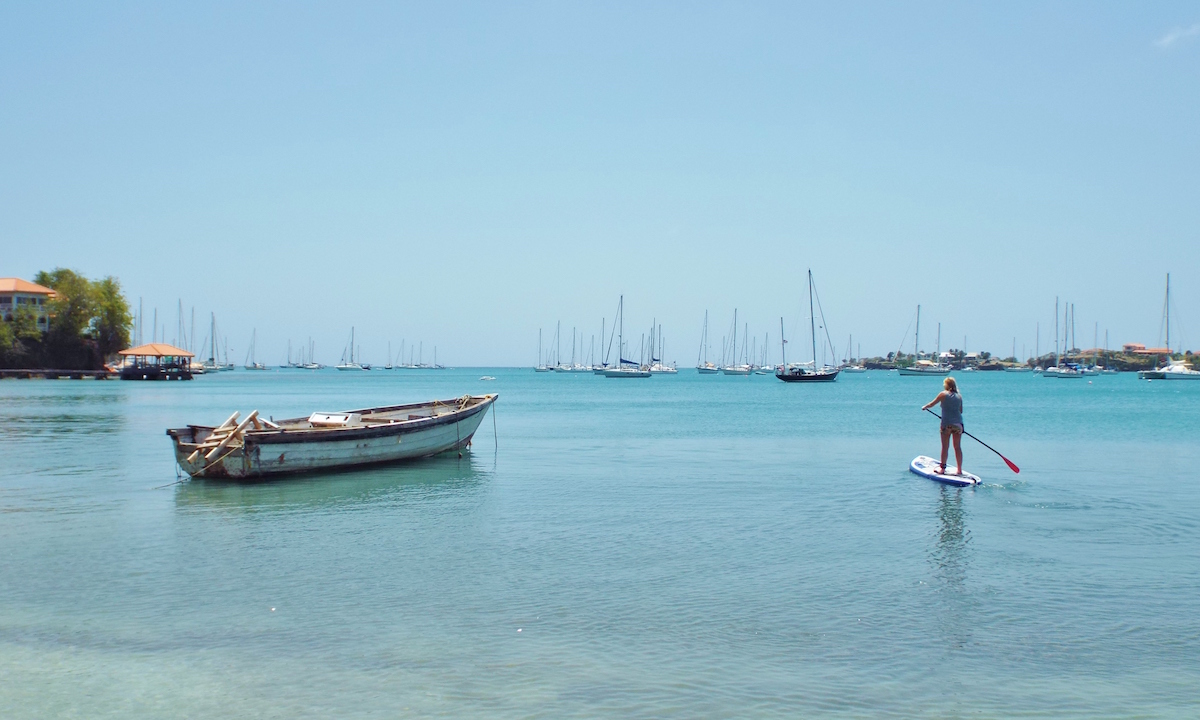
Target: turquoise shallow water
<point>675,547</point>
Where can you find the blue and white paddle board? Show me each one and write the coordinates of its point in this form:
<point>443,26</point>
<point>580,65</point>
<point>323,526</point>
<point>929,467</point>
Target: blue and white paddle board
<point>926,467</point>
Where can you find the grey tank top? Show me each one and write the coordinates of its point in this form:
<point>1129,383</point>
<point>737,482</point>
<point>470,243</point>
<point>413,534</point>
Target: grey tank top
<point>952,409</point>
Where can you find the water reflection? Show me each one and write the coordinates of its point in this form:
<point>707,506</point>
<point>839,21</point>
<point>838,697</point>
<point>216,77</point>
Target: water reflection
<point>950,557</point>
<point>417,480</point>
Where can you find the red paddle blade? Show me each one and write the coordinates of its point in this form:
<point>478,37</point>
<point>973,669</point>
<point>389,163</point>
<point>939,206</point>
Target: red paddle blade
<point>1011,465</point>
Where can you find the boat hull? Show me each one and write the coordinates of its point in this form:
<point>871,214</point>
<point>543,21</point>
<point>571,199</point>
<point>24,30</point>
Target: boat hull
<point>617,373</point>
<point>923,371</point>
<point>269,453</point>
<point>807,377</point>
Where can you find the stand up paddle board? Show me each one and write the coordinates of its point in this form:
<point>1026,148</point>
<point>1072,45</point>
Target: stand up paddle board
<point>927,467</point>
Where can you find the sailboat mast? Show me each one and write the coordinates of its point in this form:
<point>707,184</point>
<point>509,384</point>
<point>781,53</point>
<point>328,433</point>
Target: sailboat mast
<point>1055,331</point>
<point>1167,304</point>
<point>812,320</point>
<point>782,345</point>
<point>917,337</point>
<point>621,332</point>
<point>733,346</point>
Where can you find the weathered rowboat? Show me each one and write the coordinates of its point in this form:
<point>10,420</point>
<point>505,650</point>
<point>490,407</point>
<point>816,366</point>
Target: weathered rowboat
<point>327,441</point>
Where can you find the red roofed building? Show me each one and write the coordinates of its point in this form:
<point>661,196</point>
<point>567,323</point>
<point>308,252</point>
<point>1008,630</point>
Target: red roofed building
<point>16,293</point>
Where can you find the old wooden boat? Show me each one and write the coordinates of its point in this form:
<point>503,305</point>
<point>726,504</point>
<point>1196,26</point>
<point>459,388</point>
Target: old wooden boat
<point>255,447</point>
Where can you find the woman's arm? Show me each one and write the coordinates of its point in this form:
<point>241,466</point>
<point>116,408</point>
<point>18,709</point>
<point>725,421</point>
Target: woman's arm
<point>937,400</point>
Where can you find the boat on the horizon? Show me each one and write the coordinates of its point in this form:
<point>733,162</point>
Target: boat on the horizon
<point>347,362</point>
<point>1174,369</point>
<point>251,361</point>
<point>921,366</point>
<point>1061,370</point>
<point>256,448</point>
<point>703,366</point>
<point>624,368</point>
<point>800,372</point>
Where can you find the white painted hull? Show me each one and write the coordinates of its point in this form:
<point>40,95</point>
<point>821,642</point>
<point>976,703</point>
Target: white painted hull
<point>1052,372</point>
<point>924,371</point>
<point>627,373</point>
<point>441,427</point>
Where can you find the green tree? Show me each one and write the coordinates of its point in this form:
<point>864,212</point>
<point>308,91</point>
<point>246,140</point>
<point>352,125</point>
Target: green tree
<point>88,322</point>
<point>111,320</point>
<point>21,339</point>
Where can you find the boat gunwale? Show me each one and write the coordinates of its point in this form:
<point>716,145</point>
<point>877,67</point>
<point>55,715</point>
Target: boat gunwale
<point>281,436</point>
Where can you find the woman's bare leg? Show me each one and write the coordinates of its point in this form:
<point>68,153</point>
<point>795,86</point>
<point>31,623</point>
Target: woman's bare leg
<point>958,451</point>
<point>945,448</point>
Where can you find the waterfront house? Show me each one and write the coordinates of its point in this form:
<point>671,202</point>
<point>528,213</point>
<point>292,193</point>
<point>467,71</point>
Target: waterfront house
<point>16,293</point>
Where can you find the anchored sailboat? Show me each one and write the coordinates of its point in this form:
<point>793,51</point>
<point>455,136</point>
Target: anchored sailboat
<point>347,362</point>
<point>798,372</point>
<point>625,368</point>
<point>251,361</point>
<point>925,367</point>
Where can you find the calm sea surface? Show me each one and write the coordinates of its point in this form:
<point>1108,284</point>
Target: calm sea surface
<point>690,546</point>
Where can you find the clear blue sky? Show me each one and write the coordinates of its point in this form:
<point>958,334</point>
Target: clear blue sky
<point>464,174</point>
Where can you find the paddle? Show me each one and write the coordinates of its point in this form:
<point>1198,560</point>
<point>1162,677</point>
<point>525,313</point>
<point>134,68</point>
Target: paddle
<point>1011,465</point>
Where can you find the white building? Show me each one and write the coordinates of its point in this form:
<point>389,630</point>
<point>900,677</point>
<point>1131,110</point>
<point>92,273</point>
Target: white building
<point>16,293</point>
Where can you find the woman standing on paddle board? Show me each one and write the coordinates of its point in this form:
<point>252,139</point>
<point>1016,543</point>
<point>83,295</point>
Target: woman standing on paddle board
<point>952,421</point>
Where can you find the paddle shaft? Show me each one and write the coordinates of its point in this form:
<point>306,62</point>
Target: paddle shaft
<point>1011,465</point>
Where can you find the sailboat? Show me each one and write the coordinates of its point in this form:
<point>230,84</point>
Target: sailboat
<point>925,367</point>
<point>853,365</point>
<point>348,363</point>
<point>251,361</point>
<point>576,367</point>
<point>311,364</point>
<point>625,368</point>
<point>703,366</point>
<point>657,366</point>
<point>599,369</point>
<point>212,364</point>
<point>798,372</point>
<point>1174,369</point>
<point>1060,369</point>
<point>734,367</point>
<point>541,366</point>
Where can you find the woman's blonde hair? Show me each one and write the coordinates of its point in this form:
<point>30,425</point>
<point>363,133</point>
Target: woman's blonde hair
<point>950,385</point>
